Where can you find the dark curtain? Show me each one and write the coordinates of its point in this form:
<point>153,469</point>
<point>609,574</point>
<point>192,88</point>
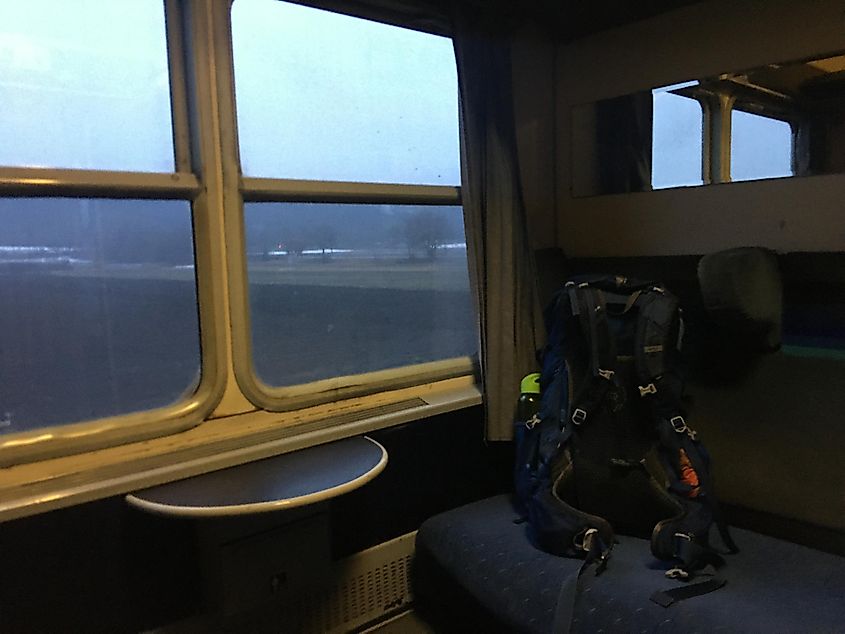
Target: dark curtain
<point>500,259</point>
<point>624,139</point>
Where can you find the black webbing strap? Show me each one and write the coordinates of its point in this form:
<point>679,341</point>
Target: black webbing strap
<point>722,526</point>
<point>589,306</point>
<point>595,560</point>
<point>666,598</point>
<point>584,308</point>
<point>605,344</point>
<point>565,608</point>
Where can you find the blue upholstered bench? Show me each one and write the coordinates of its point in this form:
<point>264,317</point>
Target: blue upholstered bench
<point>476,571</point>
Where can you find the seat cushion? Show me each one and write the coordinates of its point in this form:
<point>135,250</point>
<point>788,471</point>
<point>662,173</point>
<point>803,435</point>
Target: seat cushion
<point>476,566</point>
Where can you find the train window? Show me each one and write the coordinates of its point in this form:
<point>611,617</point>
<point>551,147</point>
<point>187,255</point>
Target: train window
<point>323,96</point>
<point>356,256</point>
<point>340,289</point>
<point>84,85</point>
<point>99,309</point>
<point>100,218</point>
<point>761,147</point>
<point>116,202</point>
<point>676,140</point>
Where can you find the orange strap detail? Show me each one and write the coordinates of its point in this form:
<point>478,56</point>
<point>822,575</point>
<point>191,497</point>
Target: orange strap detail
<point>688,475</point>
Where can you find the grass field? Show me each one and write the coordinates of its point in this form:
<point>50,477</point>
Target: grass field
<point>82,342</point>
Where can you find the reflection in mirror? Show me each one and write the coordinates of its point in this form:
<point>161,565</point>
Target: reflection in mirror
<point>776,121</point>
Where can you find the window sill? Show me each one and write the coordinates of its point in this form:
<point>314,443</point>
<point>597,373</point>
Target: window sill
<point>38,487</point>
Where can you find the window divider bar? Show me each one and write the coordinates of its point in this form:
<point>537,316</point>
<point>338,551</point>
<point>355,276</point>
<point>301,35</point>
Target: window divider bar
<point>178,80</point>
<point>23,181</point>
<point>285,190</point>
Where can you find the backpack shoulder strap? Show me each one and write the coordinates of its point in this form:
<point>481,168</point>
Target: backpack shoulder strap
<point>687,463</point>
<point>590,306</point>
<point>599,345</point>
<point>656,342</point>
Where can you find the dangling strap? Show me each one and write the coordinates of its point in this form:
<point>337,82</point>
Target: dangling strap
<point>597,555</point>
<point>692,555</point>
<point>666,598</point>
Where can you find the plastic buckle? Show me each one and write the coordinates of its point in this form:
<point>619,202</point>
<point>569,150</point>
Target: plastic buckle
<point>586,539</point>
<point>679,424</point>
<point>532,422</point>
<point>647,389</point>
<point>606,374</point>
<point>677,573</point>
<point>658,289</point>
<point>579,416</point>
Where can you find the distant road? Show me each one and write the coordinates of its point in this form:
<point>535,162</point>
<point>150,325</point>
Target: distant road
<point>446,272</point>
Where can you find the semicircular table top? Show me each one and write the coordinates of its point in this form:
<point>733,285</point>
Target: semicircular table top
<point>301,477</point>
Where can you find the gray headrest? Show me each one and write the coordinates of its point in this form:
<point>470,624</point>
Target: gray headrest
<point>743,293</point>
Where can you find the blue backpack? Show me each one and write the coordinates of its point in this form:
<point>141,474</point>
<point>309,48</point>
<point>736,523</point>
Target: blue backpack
<point>610,449</point>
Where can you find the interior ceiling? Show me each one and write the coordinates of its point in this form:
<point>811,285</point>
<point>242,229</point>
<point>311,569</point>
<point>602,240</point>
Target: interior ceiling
<point>578,18</point>
<point>814,79</point>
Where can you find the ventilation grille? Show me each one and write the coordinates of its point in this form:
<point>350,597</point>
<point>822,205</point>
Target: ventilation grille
<point>365,588</point>
<point>359,598</point>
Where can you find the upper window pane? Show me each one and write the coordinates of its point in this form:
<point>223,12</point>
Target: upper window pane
<point>676,141</point>
<point>84,84</point>
<point>99,309</point>
<point>761,147</point>
<point>322,96</point>
<point>342,289</point>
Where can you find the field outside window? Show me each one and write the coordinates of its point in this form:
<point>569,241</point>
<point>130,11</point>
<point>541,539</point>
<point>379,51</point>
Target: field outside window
<point>100,314</point>
<point>338,290</point>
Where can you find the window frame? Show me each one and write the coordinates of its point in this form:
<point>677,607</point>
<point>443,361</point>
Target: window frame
<point>241,189</point>
<point>190,77</point>
<point>217,425</point>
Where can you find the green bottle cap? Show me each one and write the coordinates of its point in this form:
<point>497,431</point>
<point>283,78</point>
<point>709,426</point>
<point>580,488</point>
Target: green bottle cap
<point>530,384</point>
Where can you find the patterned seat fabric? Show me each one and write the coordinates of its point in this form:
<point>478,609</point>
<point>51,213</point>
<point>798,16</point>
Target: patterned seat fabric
<point>476,568</point>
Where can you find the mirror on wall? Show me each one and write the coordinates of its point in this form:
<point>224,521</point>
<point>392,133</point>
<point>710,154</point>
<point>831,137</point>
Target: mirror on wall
<point>776,121</point>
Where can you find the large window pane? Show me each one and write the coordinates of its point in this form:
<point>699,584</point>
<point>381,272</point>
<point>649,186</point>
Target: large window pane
<point>340,289</point>
<point>99,309</point>
<point>676,141</point>
<point>328,97</point>
<point>761,147</point>
<point>84,84</point>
